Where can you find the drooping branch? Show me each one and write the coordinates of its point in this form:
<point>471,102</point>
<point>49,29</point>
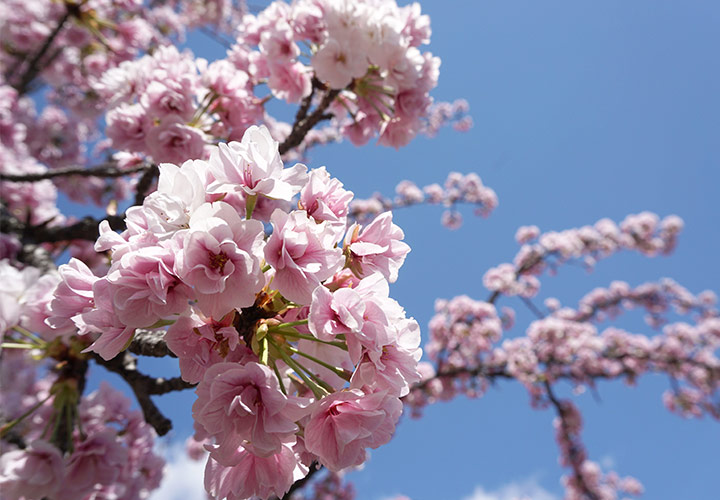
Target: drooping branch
<point>143,386</point>
<point>109,170</point>
<point>568,435</point>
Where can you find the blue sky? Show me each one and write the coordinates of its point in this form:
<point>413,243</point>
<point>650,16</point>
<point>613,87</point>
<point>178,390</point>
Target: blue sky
<point>582,110</point>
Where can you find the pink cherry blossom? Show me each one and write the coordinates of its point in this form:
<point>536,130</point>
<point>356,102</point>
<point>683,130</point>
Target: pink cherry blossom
<point>242,405</point>
<point>302,254</point>
<point>342,425</point>
<point>377,247</point>
<point>34,472</point>
<point>254,166</point>
<point>220,258</point>
<point>324,199</point>
<point>253,476</point>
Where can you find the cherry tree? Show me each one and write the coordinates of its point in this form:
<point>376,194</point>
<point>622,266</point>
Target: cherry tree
<point>210,236</point>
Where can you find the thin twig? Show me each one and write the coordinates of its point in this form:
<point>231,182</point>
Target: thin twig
<point>533,308</point>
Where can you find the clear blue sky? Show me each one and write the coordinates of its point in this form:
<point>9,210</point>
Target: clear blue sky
<point>582,110</point>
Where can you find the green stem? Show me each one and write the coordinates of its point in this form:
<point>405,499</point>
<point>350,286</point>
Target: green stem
<point>340,372</point>
<point>317,391</point>
<point>12,345</point>
<point>8,427</point>
<point>264,351</point>
<point>279,377</point>
<point>28,334</point>
<point>292,323</point>
<point>250,202</point>
<point>296,335</point>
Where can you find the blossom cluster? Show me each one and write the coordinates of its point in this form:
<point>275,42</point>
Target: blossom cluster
<point>457,189</point>
<point>368,50</point>
<point>169,104</point>
<point>72,43</point>
<point>587,475</point>
<point>300,354</point>
<point>36,200</point>
<point>465,344</point>
<point>643,232</point>
<point>657,299</point>
<point>111,452</point>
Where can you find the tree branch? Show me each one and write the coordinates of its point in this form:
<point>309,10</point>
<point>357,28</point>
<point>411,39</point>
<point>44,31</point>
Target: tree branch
<point>143,386</point>
<point>303,126</point>
<point>150,343</point>
<point>33,69</point>
<point>105,170</point>
<point>300,483</point>
<point>143,185</point>
<point>576,454</point>
<point>84,229</point>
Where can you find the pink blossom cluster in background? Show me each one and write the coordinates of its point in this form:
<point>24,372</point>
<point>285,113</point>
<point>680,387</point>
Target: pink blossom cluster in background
<point>110,453</point>
<point>643,232</point>
<point>457,189</point>
<point>587,475</point>
<point>170,105</point>
<point>37,199</point>
<point>368,50</point>
<point>465,344</point>
<point>91,37</point>
<point>468,352</point>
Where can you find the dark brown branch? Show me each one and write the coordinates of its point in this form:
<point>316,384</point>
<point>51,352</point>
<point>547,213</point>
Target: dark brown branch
<point>301,128</point>
<point>300,483</point>
<point>483,371</point>
<point>84,229</point>
<point>143,386</point>
<point>36,256</point>
<point>150,343</point>
<point>107,170</point>
<point>33,66</point>
<point>144,184</point>
<point>306,102</point>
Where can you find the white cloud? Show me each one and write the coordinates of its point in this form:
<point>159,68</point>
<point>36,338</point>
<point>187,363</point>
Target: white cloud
<point>183,479</point>
<point>526,489</point>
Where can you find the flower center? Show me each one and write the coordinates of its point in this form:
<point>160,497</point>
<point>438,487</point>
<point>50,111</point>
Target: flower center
<point>217,261</point>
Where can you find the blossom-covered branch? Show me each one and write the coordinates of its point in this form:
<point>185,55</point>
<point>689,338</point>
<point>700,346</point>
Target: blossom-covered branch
<point>643,232</point>
<point>458,189</point>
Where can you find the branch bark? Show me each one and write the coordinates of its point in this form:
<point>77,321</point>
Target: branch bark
<point>105,170</point>
<point>143,386</point>
<point>33,66</point>
<point>302,126</point>
<point>150,343</point>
